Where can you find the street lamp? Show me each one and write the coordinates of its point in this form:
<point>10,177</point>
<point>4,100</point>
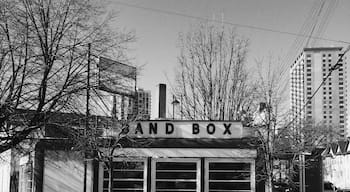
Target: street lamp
<point>174,102</point>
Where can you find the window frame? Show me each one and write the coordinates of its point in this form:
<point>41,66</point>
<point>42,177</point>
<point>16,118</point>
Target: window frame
<point>178,160</point>
<point>229,160</point>
<point>130,159</point>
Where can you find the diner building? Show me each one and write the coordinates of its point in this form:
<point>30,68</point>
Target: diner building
<point>166,155</point>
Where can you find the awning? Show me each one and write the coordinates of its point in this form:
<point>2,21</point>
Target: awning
<point>185,152</point>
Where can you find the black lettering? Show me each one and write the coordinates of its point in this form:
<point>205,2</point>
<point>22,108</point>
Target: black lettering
<point>169,128</point>
<point>227,129</point>
<point>212,130</point>
<point>153,128</point>
<point>195,128</point>
<point>138,128</point>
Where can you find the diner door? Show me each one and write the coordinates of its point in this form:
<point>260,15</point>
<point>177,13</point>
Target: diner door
<point>226,174</point>
<point>176,174</point>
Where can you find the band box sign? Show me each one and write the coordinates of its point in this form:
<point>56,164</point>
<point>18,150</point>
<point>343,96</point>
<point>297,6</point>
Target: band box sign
<point>186,129</point>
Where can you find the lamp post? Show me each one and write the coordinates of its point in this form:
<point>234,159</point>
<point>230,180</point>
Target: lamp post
<point>174,102</point>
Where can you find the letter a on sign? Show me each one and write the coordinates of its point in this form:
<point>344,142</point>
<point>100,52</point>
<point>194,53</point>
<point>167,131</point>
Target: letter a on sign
<point>138,128</point>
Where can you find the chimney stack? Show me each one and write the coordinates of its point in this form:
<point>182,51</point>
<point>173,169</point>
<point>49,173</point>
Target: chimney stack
<point>162,101</point>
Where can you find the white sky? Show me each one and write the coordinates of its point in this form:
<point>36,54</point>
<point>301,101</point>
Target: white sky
<point>157,33</point>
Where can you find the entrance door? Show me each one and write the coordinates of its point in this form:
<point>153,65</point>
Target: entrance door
<point>176,174</point>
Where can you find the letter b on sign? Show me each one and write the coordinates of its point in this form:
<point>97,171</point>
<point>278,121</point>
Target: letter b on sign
<point>195,128</point>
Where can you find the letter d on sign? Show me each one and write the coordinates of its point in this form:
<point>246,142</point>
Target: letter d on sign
<point>195,128</point>
<point>169,128</point>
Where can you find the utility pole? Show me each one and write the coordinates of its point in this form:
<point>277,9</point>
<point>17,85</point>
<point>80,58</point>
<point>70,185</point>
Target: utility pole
<point>87,112</point>
<point>302,183</point>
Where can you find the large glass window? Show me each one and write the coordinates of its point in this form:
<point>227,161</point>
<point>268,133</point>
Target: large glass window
<point>229,175</point>
<point>170,175</point>
<point>127,176</point>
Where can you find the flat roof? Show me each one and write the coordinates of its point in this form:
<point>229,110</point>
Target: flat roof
<point>323,49</point>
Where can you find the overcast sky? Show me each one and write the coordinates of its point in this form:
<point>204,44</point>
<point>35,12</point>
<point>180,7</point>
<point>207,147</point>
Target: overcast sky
<point>157,32</point>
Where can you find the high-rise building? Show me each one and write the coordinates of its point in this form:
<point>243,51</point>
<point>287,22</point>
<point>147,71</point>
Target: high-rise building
<point>142,104</point>
<point>329,105</point>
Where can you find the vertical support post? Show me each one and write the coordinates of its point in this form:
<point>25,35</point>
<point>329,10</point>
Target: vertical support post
<point>302,172</point>
<point>87,112</point>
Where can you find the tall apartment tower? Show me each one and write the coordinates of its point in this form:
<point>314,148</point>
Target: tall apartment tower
<point>143,104</point>
<point>329,105</point>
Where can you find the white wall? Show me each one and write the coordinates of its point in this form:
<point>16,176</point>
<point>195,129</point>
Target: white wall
<point>5,165</point>
<point>337,171</point>
<point>64,171</point>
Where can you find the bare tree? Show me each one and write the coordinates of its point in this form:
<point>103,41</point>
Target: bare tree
<point>278,136</point>
<point>212,80</point>
<point>43,57</point>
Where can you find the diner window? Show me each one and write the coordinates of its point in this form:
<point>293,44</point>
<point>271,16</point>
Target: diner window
<point>176,175</point>
<point>228,175</point>
<point>128,175</point>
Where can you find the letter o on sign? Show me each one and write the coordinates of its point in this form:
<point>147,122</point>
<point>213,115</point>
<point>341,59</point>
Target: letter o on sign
<point>211,128</point>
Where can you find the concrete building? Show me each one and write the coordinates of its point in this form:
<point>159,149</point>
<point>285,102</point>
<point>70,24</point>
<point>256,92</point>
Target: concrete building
<point>329,105</point>
<point>143,104</point>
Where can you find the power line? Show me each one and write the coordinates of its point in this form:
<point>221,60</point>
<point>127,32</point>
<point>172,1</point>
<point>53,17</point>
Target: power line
<point>227,23</point>
<point>314,25</point>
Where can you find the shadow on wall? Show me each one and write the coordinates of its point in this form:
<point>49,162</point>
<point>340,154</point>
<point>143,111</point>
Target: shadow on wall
<point>64,171</point>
